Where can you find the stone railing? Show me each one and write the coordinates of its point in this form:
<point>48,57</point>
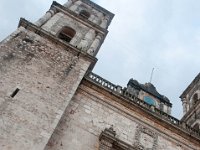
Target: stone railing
<point>123,92</point>
<point>104,83</point>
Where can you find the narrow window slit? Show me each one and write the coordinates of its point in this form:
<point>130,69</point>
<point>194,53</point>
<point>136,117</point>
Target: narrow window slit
<point>14,93</point>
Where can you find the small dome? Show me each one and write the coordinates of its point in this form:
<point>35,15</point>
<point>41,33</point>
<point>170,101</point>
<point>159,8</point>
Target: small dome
<point>133,82</point>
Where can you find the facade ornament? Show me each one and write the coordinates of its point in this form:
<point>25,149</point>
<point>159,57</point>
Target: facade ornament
<point>145,138</point>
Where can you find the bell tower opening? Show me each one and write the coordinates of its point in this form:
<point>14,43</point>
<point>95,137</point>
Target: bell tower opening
<point>66,34</point>
<point>84,14</point>
<point>194,99</point>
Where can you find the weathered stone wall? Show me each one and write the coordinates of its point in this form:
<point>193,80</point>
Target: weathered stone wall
<point>45,75</point>
<point>92,110</point>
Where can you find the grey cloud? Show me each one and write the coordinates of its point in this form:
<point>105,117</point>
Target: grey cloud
<point>159,34</point>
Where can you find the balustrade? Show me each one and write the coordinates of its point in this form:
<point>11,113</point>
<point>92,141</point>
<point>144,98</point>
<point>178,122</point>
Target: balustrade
<point>103,82</point>
<point>124,93</point>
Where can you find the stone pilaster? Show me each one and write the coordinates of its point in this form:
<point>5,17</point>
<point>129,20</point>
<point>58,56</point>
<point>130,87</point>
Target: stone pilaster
<point>91,18</point>
<point>95,45</point>
<point>75,40</point>
<point>184,103</point>
<point>45,18</point>
<point>87,40</point>
<point>104,22</point>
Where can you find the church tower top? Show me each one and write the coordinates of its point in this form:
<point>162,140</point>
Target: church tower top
<point>191,103</point>
<point>92,10</point>
<point>80,24</point>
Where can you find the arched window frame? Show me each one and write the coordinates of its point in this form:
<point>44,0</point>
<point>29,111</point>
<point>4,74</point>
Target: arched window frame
<point>66,34</point>
<point>194,99</point>
<point>85,14</point>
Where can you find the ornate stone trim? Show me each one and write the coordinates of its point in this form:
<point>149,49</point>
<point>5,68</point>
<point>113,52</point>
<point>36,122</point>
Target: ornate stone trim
<point>108,141</point>
<point>138,137</point>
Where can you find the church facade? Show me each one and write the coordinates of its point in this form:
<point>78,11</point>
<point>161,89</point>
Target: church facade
<point>51,100</point>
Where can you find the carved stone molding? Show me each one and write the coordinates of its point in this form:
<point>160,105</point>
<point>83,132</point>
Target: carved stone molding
<point>145,138</point>
<point>109,141</point>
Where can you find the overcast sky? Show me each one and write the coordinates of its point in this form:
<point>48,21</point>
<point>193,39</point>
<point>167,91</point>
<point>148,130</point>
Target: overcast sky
<point>145,34</point>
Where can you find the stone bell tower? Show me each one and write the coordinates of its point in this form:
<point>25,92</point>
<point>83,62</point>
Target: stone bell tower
<point>191,104</point>
<point>41,66</point>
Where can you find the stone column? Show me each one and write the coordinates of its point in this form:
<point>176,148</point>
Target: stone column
<point>169,111</point>
<point>119,89</point>
<point>87,40</point>
<point>95,45</point>
<point>75,39</point>
<point>91,18</point>
<point>104,23</point>
<point>45,18</point>
<point>188,105</point>
<point>75,6</point>
<point>184,103</point>
<point>68,4</point>
<point>100,15</point>
<point>90,35</point>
